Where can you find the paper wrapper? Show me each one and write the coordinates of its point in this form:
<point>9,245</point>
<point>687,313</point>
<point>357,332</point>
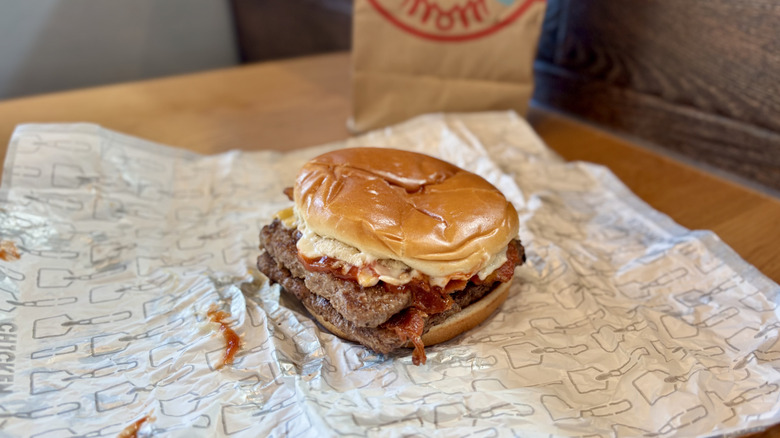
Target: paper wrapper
<point>621,323</point>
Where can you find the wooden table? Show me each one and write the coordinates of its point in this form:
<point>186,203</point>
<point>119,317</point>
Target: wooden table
<point>304,102</point>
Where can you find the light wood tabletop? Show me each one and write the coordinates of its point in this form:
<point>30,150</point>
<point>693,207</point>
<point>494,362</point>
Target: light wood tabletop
<point>304,102</point>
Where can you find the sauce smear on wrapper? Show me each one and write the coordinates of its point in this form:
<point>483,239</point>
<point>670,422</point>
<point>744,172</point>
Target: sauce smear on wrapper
<point>131,431</point>
<point>232,340</point>
<point>8,251</point>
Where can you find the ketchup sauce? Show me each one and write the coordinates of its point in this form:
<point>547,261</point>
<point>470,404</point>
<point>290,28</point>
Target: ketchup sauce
<point>232,340</point>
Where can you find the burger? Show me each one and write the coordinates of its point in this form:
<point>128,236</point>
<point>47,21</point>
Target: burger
<point>393,249</point>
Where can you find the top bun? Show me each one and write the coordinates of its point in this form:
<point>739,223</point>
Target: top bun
<point>433,216</point>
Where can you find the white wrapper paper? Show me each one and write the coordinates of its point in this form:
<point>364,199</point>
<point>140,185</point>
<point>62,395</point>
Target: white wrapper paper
<point>621,323</point>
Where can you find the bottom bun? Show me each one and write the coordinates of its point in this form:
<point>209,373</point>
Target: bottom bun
<point>461,322</point>
<point>468,318</point>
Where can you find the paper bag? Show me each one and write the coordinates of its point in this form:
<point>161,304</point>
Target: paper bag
<point>413,57</point>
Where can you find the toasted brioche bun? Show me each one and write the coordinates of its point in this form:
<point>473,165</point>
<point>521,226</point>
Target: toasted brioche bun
<point>392,204</point>
<point>463,321</point>
<point>468,318</point>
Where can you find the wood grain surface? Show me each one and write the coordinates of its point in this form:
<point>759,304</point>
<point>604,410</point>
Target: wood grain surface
<point>302,102</point>
<point>275,105</point>
<point>700,77</point>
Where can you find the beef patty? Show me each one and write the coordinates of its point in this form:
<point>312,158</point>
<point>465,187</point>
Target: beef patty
<point>362,312</point>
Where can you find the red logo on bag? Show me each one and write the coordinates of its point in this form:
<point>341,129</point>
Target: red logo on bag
<point>451,20</point>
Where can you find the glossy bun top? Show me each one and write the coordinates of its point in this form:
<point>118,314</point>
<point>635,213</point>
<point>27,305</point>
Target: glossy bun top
<point>392,204</point>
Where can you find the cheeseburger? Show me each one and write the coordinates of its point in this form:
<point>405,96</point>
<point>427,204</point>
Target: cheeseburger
<point>393,249</point>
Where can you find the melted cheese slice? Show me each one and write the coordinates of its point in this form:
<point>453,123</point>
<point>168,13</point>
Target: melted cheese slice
<point>313,246</point>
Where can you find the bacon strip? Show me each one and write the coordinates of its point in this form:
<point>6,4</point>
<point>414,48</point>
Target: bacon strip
<point>409,326</point>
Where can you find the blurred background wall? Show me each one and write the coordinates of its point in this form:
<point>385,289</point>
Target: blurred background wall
<point>51,45</point>
<point>700,78</point>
